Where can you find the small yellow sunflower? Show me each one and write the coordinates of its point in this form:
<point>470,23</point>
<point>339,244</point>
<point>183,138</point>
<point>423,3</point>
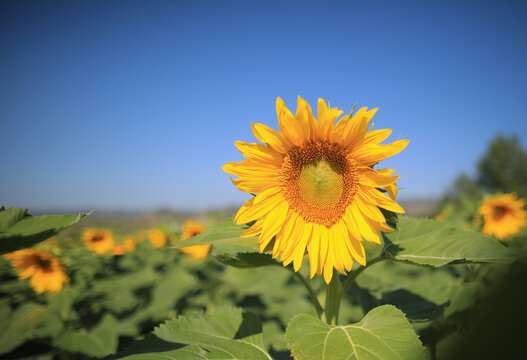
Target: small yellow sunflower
<point>44,269</point>
<point>315,185</point>
<point>191,229</point>
<point>157,238</point>
<point>118,250</point>
<point>503,215</point>
<point>129,244</point>
<point>98,240</point>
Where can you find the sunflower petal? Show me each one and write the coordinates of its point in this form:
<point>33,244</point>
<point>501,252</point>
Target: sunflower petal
<point>272,138</point>
<point>369,154</point>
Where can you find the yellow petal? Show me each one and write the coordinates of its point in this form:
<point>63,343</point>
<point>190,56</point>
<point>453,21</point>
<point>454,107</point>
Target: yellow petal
<point>373,178</point>
<point>272,224</point>
<point>258,206</point>
<point>377,136</point>
<point>377,198</point>
<point>272,138</point>
<point>286,123</point>
<point>298,253</point>
<point>259,152</point>
<point>313,250</point>
<point>254,230</point>
<point>369,154</point>
<point>392,190</point>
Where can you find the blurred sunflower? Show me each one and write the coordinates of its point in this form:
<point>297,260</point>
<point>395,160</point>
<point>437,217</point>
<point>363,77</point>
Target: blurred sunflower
<point>98,240</point>
<point>44,269</point>
<point>503,215</point>
<point>157,238</point>
<point>118,250</point>
<point>191,229</point>
<point>129,244</point>
<point>315,185</point>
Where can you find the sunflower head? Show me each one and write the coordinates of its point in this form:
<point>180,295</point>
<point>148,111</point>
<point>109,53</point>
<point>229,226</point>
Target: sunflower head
<point>503,215</point>
<point>157,238</point>
<point>42,267</point>
<point>128,244</point>
<point>98,240</point>
<point>316,187</point>
<point>191,229</point>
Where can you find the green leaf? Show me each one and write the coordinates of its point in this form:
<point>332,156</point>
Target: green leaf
<point>226,333</point>
<point>384,333</point>
<point>420,292</point>
<point>100,341</point>
<point>20,230</point>
<point>225,232</point>
<point>241,256</point>
<point>434,243</point>
<point>228,247</point>
<point>20,325</point>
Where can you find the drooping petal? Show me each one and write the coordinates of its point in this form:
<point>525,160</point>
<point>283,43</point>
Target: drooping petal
<point>374,178</point>
<point>377,198</point>
<point>369,154</point>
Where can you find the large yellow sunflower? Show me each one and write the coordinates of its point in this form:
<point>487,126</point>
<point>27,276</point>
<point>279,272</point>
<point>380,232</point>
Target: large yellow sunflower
<point>503,215</point>
<point>44,269</point>
<point>315,185</point>
<point>98,240</point>
<point>191,229</point>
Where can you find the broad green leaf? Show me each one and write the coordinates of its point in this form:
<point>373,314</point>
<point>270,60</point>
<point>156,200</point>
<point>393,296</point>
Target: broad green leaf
<point>99,341</point>
<point>225,232</point>
<point>434,243</point>
<point>384,333</point>
<point>420,292</point>
<point>20,325</point>
<point>20,230</point>
<point>228,247</point>
<point>226,333</point>
<point>241,256</point>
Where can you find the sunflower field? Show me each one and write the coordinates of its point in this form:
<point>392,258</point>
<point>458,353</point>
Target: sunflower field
<point>320,263</point>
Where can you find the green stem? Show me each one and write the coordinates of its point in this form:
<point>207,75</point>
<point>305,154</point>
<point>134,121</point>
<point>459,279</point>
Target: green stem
<point>333,296</point>
<point>312,294</point>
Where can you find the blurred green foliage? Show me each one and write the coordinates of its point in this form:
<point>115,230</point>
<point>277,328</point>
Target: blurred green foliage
<point>504,167</point>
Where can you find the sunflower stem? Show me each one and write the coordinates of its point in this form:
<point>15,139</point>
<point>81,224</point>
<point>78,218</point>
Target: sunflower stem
<point>312,294</point>
<point>333,297</point>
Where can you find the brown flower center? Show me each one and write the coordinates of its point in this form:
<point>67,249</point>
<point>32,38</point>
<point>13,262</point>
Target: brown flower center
<point>319,182</point>
<point>97,238</point>
<point>42,263</point>
<point>499,212</point>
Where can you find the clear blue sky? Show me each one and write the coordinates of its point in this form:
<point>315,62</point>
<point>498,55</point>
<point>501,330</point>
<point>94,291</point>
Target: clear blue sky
<point>137,104</point>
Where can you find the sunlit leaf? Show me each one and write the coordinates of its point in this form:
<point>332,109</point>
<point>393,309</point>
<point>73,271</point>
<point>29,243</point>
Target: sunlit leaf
<point>228,247</point>
<point>20,230</point>
<point>434,243</point>
<point>226,333</point>
<point>384,333</point>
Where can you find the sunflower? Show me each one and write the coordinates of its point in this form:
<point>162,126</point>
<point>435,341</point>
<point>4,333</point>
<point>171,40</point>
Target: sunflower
<point>44,269</point>
<point>315,185</point>
<point>128,244</point>
<point>191,229</point>
<point>503,215</point>
<point>98,240</point>
<point>157,238</point>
